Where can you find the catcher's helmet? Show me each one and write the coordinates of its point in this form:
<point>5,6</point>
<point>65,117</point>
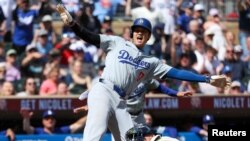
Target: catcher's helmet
<point>141,22</point>
<point>137,133</point>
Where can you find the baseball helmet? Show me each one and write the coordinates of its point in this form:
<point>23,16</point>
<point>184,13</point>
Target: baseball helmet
<point>138,132</point>
<point>141,22</point>
<point>208,119</point>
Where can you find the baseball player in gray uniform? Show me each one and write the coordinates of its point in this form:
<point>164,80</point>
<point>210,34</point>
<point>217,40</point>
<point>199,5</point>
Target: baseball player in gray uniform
<point>125,67</point>
<point>135,101</point>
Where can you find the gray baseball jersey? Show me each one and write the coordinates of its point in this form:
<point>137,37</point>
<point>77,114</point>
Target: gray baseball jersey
<point>126,67</point>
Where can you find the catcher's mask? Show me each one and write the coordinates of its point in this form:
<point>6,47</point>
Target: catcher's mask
<point>137,133</point>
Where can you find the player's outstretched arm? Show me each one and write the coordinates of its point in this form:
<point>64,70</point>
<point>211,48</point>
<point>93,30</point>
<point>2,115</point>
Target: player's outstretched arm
<point>81,32</point>
<point>172,92</point>
<point>215,80</point>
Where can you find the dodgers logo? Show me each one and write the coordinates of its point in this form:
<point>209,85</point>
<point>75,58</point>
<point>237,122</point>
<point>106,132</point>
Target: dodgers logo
<point>125,57</point>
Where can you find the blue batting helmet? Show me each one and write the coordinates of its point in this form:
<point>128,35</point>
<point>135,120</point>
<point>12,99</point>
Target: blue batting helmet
<point>142,22</point>
<point>208,119</point>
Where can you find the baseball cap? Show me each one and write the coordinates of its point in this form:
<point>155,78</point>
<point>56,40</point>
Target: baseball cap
<point>208,119</point>
<point>107,19</point>
<point>30,46</point>
<point>235,84</point>
<point>11,52</point>
<point>238,48</point>
<point>198,7</point>
<point>42,32</point>
<point>213,12</point>
<point>226,69</point>
<point>187,5</point>
<point>48,113</point>
<point>47,18</point>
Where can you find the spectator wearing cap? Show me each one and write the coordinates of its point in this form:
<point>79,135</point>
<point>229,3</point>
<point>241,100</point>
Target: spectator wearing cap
<point>29,88</point>
<point>46,24</point>
<point>184,19</point>
<point>198,14</point>
<point>24,19</point>
<point>32,64</point>
<point>235,88</point>
<point>49,124</point>
<point>145,11</point>
<point>237,65</point>
<point>12,72</point>
<point>43,45</point>
<point>88,20</point>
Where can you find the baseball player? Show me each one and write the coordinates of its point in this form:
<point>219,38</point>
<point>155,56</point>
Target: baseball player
<point>144,133</point>
<point>125,67</point>
<point>135,101</point>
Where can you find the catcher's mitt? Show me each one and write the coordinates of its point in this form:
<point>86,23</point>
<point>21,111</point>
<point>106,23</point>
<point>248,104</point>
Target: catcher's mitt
<point>220,81</point>
<point>66,17</point>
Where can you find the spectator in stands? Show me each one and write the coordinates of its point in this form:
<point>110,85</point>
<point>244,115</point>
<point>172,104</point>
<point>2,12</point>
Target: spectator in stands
<point>244,19</point>
<point>7,89</point>
<point>62,89</point>
<point>2,73</point>
<point>43,45</point>
<point>2,52</point>
<point>195,31</point>
<point>200,55</point>
<point>230,38</point>
<point>65,53</point>
<point>106,24</point>
<point>2,25</point>
<point>49,124</point>
<point>54,60</point>
<point>49,85</point>
<point>198,15</point>
<point>46,24</point>
<point>8,133</point>
<point>24,18</point>
<point>80,82</point>
<point>8,6</point>
<point>88,20</point>
<point>32,64</point>
<point>12,72</point>
<point>29,88</point>
<point>184,19</point>
<point>235,88</point>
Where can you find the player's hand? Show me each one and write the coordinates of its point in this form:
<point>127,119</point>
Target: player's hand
<point>66,17</point>
<point>81,109</point>
<point>220,81</point>
<point>10,134</point>
<point>26,113</point>
<point>181,94</point>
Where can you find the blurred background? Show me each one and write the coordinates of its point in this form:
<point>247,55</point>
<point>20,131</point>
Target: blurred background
<point>45,66</point>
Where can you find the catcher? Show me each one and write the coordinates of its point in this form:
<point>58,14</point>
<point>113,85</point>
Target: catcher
<point>126,66</point>
<point>145,133</point>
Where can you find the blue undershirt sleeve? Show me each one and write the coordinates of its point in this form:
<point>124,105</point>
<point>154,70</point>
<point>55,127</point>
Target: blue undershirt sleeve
<point>186,76</point>
<point>167,90</point>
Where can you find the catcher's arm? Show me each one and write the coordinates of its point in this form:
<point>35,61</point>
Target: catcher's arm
<point>81,32</point>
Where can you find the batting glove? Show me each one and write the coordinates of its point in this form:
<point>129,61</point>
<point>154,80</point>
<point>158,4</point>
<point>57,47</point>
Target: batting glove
<point>66,17</point>
<point>220,81</point>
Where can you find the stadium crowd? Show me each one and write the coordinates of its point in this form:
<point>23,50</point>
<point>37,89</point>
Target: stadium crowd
<point>37,60</point>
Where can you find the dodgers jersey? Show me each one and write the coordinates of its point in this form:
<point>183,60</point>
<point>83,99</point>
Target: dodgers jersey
<point>126,66</point>
<point>135,101</point>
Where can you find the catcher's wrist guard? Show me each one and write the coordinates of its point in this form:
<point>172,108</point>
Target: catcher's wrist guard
<point>208,78</point>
